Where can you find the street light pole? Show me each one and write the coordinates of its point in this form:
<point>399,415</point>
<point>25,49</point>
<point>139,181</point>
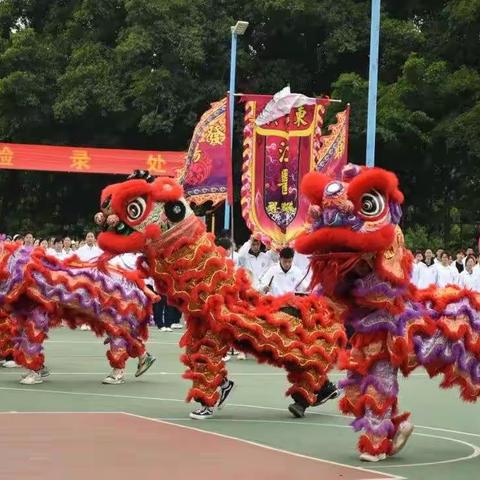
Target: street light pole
<point>373,83</point>
<point>239,29</point>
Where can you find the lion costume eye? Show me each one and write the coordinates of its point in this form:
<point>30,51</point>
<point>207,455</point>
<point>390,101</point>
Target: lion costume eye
<point>136,208</point>
<point>175,211</point>
<point>372,204</point>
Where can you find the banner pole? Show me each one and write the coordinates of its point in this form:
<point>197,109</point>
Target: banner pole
<point>231,110</point>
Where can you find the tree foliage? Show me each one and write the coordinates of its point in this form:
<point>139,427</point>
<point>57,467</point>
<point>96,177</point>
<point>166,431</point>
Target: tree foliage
<point>138,73</point>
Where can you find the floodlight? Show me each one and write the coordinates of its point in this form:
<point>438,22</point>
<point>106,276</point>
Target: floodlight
<point>240,27</point>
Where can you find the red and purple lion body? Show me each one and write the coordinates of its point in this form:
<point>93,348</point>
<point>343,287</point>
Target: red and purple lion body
<point>359,259</point>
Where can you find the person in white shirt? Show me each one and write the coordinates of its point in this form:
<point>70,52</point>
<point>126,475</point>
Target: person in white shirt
<point>255,260</point>
<point>417,267</point>
<point>438,256</point>
<point>469,252</point>
<point>426,272</point>
<point>283,277</point>
<point>67,247</point>
<point>57,250</point>
<point>469,278</point>
<point>89,252</point>
<point>446,273</point>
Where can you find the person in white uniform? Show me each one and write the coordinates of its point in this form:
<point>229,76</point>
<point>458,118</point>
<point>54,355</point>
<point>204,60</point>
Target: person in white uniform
<point>416,267</point>
<point>254,260</point>
<point>57,250</point>
<point>283,277</point>
<point>426,274</point>
<point>470,278</point>
<point>90,251</point>
<point>446,274</point>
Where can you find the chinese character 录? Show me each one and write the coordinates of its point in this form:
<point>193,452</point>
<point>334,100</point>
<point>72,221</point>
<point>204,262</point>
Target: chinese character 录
<point>80,160</point>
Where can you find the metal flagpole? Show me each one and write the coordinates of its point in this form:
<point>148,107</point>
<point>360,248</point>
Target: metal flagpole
<point>373,83</point>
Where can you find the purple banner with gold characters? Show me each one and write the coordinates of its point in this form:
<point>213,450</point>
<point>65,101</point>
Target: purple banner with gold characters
<point>206,171</point>
<point>281,140</point>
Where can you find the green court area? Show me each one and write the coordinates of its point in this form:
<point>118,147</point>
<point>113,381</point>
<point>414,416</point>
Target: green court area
<point>445,444</point>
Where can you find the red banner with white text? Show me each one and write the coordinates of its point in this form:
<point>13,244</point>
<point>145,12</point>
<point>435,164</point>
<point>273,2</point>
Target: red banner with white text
<point>89,160</point>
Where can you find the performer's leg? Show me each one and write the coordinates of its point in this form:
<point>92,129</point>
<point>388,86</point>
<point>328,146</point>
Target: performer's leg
<point>117,356</point>
<point>309,388</point>
<point>28,351</point>
<point>373,399</point>
<point>136,348</point>
<point>203,357</point>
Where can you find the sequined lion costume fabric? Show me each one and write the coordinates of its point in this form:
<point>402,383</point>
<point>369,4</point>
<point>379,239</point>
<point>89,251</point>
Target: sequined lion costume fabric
<point>359,259</point>
<point>38,292</point>
<point>302,335</point>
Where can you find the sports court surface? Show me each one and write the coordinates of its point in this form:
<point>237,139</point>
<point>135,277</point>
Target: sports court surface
<point>72,426</point>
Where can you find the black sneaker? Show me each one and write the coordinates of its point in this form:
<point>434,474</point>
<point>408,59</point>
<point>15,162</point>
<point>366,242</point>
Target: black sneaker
<point>202,413</point>
<point>225,390</point>
<point>297,410</point>
<point>329,391</point>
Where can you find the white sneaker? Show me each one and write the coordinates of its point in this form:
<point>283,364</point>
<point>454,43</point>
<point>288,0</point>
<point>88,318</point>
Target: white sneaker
<point>400,439</point>
<point>241,356</point>
<point>10,364</point>
<point>367,457</point>
<point>117,377</point>
<point>177,326</point>
<point>168,329</point>
<point>32,378</point>
<point>85,327</point>
<point>226,358</point>
<point>163,329</point>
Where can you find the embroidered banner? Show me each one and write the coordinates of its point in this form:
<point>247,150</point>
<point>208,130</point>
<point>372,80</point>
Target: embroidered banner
<point>333,152</point>
<point>208,162</point>
<point>276,156</point>
<point>89,160</point>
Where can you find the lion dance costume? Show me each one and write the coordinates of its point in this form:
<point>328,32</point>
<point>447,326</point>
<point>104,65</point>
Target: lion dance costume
<point>302,335</point>
<point>359,259</point>
<point>38,292</point>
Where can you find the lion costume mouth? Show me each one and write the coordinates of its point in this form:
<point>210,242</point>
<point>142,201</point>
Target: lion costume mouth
<point>344,241</point>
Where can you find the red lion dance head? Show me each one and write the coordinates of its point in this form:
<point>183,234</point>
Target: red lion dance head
<point>353,225</point>
<point>138,211</point>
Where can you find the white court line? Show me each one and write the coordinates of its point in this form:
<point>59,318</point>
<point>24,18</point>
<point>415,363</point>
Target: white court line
<point>58,413</point>
<point>240,405</point>
<point>266,447</point>
<point>476,449</point>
